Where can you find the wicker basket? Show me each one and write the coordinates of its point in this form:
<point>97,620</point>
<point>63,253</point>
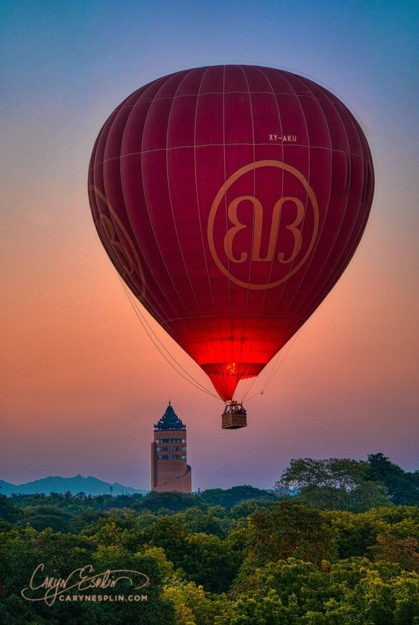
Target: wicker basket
<point>234,421</point>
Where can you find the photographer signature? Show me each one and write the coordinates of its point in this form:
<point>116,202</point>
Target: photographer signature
<point>81,579</point>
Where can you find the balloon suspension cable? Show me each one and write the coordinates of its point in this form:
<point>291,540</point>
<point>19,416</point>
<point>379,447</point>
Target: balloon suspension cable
<point>171,360</point>
<point>276,363</point>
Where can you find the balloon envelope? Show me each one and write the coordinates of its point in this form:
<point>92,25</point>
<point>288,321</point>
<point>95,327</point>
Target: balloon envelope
<point>230,199</point>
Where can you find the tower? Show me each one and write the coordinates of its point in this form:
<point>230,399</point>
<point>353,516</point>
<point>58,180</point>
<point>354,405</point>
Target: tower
<point>169,468</point>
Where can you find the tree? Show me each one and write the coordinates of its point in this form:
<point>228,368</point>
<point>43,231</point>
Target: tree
<point>339,473</point>
<point>166,532</point>
<point>349,592</point>
<point>403,551</point>
<point>362,497</point>
<point>8,512</point>
<point>194,606</point>
<point>208,521</point>
<point>403,487</point>
<point>232,496</point>
<point>334,484</point>
<point>175,502</point>
<point>42,517</point>
<point>288,530</point>
<point>249,506</point>
<point>355,533</point>
<point>208,563</point>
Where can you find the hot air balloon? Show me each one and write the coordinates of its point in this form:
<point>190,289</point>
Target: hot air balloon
<point>230,199</point>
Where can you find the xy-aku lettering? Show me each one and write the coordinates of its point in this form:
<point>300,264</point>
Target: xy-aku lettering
<point>282,138</point>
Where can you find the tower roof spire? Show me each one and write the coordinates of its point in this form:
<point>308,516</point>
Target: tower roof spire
<point>170,420</point>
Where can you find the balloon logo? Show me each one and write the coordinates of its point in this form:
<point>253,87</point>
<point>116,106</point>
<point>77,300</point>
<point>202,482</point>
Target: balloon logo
<point>119,247</point>
<point>294,227</point>
<point>230,199</point>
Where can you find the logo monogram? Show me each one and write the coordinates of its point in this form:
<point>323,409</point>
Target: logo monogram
<point>124,257</point>
<point>254,255</point>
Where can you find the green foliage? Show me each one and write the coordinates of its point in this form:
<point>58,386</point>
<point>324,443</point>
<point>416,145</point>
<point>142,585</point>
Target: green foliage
<point>208,562</point>
<point>333,555</point>
<point>43,517</point>
<point>21,551</point>
<point>286,555</point>
<point>351,592</point>
<point>233,496</point>
<point>288,530</point>
<point>339,473</point>
<point>204,558</point>
<point>166,532</point>
<point>194,606</point>
<point>372,533</point>
<point>360,498</point>
<point>335,484</point>
<point>211,520</point>
<point>245,508</point>
<point>404,551</point>
<point>354,533</point>
<point>8,512</point>
<point>174,502</point>
<point>402,486</point>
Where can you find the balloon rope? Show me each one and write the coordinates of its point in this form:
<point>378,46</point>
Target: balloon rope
<point>279,358</point>
<point>161,347</point>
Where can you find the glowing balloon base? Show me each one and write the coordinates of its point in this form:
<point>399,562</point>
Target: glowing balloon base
<point>234,416</point>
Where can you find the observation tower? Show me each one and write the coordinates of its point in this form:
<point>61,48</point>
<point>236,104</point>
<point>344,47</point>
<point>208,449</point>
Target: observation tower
<point>169,468</point>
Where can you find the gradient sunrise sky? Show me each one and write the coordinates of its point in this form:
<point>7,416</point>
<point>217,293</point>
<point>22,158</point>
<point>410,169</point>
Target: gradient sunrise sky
<point>81,383</point>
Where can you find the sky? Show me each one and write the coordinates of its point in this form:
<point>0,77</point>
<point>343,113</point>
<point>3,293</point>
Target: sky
<point>81,385</point>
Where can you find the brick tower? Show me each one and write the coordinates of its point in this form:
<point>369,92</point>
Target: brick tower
<point>169,469</point>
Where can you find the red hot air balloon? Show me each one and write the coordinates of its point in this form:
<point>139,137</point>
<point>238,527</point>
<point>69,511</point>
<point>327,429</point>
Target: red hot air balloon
<point>230,199</point>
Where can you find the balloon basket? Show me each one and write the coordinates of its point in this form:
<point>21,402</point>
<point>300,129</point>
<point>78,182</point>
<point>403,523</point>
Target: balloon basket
<point>234,416</point>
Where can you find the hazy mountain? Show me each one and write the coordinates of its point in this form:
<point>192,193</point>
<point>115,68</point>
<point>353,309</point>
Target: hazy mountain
<point>77,484</point>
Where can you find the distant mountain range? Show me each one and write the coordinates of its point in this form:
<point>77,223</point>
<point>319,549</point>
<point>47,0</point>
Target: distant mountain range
<point>78,484</point>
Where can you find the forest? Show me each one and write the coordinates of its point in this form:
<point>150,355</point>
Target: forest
<point>334,543</point>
